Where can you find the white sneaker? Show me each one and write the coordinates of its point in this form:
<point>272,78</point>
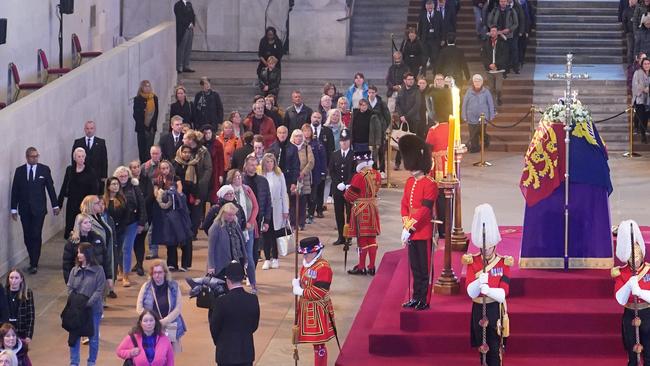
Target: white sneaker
<point>330,200</point>
<point>266,265</point>
<point>275,264</point>
<point>383,175</point>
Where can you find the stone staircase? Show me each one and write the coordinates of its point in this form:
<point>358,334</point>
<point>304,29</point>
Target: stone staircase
<point>373,23</point>
<point>590,29</point>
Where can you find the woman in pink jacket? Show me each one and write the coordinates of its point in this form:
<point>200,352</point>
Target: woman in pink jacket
<point>146,344</point>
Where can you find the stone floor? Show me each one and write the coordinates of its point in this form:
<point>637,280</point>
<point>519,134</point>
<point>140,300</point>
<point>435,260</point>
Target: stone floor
<point>497,185</point>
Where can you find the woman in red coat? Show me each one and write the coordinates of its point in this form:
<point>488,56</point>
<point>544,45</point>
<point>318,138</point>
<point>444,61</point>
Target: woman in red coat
<point>260,124</point>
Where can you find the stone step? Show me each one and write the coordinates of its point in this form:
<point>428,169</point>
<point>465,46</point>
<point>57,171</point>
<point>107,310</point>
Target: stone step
<point>592,27</point>
<point>599,4</point>
<point>582,10</point>
<point>579,52</point>
<point>578,42</point>
<point>570,34</point>
<point>573,18</point>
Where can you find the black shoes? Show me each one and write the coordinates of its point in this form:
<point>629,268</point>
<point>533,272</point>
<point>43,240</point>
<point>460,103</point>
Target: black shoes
<point>339,241</point>
<point>371,271</point>
<point>320,215</point>
<point>356,271</point>
<point>416,304</point>
<point>32,270</point>
<point>112,294</point>
<point>411,303</point>
<point>187,69</point>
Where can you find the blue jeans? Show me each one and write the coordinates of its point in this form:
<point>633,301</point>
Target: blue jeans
<point>250,271</point>
<point>479,21</point>
<point>93,344</point>
<point>127,246</point>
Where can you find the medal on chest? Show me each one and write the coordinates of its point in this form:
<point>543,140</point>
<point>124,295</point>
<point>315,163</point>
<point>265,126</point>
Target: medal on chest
<point>496,272</point>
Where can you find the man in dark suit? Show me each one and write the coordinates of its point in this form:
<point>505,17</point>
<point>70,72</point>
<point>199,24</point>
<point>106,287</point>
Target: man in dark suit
<point>28,200</point>
<point>342,168</point>
<point>452,62</point>
<point>325,135</point>
<point>429,31</point>
<point>96,155</point>
<point>234,318</point>
<point>185,19</point>
<point>170,142</point>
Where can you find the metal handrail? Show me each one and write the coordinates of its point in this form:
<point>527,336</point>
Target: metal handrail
<point>350,7</point>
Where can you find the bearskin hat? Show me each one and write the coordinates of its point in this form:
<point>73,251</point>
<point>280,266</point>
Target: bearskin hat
<point>416,153</point>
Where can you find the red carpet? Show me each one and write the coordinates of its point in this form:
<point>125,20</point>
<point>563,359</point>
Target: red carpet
<point>556,317</point>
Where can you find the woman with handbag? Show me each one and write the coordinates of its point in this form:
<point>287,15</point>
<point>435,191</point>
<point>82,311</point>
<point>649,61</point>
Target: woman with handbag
<point>225,241</point>
<point>170,224</point>
<point>280,206</point>
<point>146,344</point>
<point>162,296</point>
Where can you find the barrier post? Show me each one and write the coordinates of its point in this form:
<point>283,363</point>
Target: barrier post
<point>630,148</point>
<point>482,163</point>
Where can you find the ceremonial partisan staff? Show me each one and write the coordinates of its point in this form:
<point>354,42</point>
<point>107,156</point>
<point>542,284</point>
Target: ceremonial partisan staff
<point>636,322</point>
<point>567,76</point>
<point>295,274</point>
<point>484,348</point>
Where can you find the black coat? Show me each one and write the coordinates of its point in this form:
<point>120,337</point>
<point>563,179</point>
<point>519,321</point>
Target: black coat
<point>260,187</point>
<point>290,163</point>
<point>270,78</point>
<point>408,105</point>
<point>294,120</point>
<point>185,111</point>
<point>96,157</point>
<point>235,317</point>
<point>136,210</point>
<point>139,104</point>
<point>395,76</point>
<point>501,56</point>
<point>30,197</point>
<point>326,137</point>
<point>451,62</point>
<point>75,187</point>
<point>429,29</point>
<point>167,146</point>
<point>239,156</point>
<point>146,187</point>
<point>184,17</point>
<point>208,109</point>
<point>76,318</point>
<point>413,54</point>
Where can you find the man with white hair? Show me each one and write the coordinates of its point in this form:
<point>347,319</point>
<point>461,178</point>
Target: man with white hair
<point>488,284</point>
<point>477,101</point>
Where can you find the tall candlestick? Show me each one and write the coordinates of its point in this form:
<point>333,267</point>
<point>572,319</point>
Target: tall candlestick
<point>451,171</point>
<point>455,102</point>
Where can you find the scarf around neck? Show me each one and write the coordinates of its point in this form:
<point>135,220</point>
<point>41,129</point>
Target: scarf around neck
<point>190,172</point>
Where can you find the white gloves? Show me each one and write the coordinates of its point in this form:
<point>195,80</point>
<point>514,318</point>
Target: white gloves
<point>297,290</point>
<point>498,294</point>
<point>483,278</point>
<point>474,289</point>
<point>341,186</point>
<point>623,294</point>
<point>633,282</point>
<point>405,235</point>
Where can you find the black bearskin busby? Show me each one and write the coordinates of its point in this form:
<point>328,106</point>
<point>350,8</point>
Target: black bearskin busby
<point>416,153</point>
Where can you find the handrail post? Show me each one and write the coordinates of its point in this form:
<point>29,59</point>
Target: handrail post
<point>482,163</point>
<point>630,149</point>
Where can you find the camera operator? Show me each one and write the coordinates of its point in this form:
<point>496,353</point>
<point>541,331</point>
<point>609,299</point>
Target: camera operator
<point>233,320</point>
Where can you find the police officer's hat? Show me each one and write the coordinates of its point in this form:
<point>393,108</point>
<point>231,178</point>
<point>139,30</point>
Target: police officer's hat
<point>344,135</point>
<point>310,245</point>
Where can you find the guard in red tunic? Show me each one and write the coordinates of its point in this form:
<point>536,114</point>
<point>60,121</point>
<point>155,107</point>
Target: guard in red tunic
<point>633,292</point>
<point>315,310</point>
<point>417,211</point>
<point>364,218</point>
<point>438,139</point>
<point>488,282</point>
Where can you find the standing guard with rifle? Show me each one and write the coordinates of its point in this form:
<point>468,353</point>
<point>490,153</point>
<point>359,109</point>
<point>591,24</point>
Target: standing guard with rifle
<point>417,209</point>
<point>632,288</point>
<point>315,310</point>
<point>488,279</point>
<point>364,219</point>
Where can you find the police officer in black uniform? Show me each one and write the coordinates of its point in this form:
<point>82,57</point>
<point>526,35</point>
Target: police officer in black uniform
<point>342,168</point>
